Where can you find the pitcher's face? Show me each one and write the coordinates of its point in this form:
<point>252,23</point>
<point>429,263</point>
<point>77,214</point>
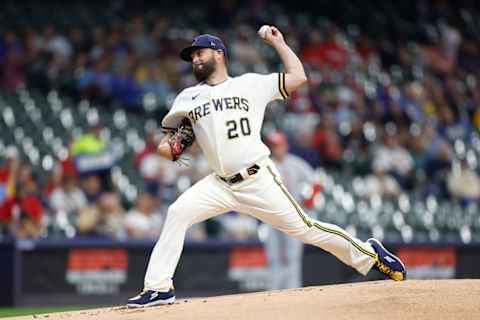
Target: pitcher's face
<point>203,63</point>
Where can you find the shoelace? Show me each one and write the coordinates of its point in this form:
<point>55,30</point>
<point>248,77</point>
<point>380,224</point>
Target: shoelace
<point>142,292</point>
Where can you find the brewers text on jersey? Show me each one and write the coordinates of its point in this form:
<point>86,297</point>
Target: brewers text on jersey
<point>228,103</point>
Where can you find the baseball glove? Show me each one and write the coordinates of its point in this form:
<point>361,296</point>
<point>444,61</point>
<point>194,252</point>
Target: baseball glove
<point>181,138</point>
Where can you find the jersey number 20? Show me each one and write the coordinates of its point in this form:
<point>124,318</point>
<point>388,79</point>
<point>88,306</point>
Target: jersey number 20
<point>233,128</point>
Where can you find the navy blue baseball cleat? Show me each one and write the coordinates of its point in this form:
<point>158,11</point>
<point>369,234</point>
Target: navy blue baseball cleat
<point>149,298</point>
<point>387,263</point>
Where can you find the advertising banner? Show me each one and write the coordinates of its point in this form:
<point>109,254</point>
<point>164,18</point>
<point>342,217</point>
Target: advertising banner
<point>248,267</point>
<point>97,271</point>
<point>429,262</point>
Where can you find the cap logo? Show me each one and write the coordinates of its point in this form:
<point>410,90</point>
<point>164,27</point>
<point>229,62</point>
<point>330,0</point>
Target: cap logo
<point>212,43</point>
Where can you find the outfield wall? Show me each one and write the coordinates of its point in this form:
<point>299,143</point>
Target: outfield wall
<point>71,272</point>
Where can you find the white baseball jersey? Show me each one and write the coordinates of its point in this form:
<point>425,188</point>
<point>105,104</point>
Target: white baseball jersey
<point>227,118</point>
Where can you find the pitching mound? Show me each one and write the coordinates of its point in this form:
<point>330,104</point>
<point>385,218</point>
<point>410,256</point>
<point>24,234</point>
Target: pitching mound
<point>415,299</point>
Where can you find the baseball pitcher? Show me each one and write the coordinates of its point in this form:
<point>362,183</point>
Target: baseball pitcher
<point>224,116</point>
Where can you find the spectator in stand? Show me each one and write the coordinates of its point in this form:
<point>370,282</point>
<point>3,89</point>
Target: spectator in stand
<point>87,220</point>
<point>147,169</point>
<point>55,175</point>
<point>52,181</point>
<point>476,119</point>
<point>105,218</point>
<point>464,183</point>
<point>23,211</point>
<point>437,157</point>
<point>440,53</point>
<point>343,111</point>
<point>89,143</point>
<point>8,173</point>
<point>30,224</point>
<point>112,216</point>
<point>145,220</point>
<point>96,83</point>
<point>155,83</point>
<point>327,141</point>
<point>150,165</point>
<point>453,127</point>
<point>68,198</point>
<point>12,66</point>
<point>8,181</point>
<point>325,50</point>
<point>139,38</point>
<point>92,157</point>
<point>125,88</point>
<point>78,40</point>
<point>56,43</point>
<point>92,187</point>
<point>391,158</point>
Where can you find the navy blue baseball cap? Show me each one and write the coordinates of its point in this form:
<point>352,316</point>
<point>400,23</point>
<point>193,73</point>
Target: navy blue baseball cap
<point>203,41</point>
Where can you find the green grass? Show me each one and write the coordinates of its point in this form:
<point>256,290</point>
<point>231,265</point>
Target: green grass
<point>24,311</point>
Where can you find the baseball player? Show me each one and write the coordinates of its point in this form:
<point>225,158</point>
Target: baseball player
<point>224,116</point>
<point>285,253</point>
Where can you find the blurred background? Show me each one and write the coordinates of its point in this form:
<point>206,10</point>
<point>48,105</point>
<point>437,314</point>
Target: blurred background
<point>389,123</point>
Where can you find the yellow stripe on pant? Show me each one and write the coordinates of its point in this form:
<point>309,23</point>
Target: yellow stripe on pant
<point>309,223</point>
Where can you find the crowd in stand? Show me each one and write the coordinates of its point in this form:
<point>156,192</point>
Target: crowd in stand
<point>402,113</point>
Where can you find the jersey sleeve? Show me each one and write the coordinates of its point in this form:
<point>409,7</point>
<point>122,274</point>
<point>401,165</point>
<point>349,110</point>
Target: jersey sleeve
<point>176,114</point>
<point>270,86</point>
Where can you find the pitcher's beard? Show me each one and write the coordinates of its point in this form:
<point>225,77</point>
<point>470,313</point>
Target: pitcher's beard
<point>202,74</point>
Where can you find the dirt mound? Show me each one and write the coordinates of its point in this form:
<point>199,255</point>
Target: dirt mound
<point>415,299</point>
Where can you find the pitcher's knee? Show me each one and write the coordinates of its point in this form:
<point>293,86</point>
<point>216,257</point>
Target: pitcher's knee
<point>302,233</point>
<point>178,213</point>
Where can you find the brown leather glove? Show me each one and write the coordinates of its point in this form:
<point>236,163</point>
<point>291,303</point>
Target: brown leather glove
<point>180,139</point>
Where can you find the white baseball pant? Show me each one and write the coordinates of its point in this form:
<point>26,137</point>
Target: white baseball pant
<point>262,196</point>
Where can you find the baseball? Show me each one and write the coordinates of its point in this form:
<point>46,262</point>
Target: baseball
<point>262,32</point>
